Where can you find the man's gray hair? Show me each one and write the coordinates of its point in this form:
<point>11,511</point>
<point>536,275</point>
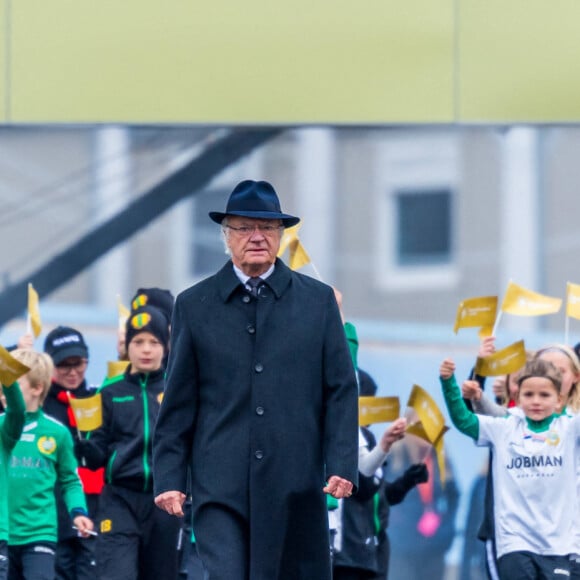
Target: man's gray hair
<point>225,235</point>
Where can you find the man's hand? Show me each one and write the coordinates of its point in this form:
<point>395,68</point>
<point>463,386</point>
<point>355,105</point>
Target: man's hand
<point>447,369</point>
<point>338,487</point>
<point>395,432</point>
<point>171,502</point>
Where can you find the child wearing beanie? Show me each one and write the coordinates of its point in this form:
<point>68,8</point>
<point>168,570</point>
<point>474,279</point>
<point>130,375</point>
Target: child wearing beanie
<point>132,531</point>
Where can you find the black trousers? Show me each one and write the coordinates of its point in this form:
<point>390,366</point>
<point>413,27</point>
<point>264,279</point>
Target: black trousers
<point>31,561</point>
<point>136,541</point>
<point>529,566</point>
<point>76,559</point>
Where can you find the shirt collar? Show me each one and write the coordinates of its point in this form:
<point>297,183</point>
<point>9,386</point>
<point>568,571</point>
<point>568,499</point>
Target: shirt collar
<point>244,277</point>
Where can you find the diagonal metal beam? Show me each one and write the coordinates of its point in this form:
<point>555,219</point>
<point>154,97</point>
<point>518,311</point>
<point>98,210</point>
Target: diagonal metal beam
<point>184,182</point>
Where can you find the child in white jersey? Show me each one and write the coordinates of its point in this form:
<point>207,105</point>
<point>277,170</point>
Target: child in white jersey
<point>534,465</point>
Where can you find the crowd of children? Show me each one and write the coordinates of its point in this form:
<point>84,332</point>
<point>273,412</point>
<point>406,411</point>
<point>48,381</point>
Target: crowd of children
<point>79,505</point>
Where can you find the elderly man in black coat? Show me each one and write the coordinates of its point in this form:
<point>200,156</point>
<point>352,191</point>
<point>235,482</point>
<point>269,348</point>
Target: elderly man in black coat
<point>260,405</point>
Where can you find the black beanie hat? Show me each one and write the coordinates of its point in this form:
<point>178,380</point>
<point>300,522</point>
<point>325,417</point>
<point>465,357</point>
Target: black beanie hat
<point>157,297</point>
<point>148,319</point>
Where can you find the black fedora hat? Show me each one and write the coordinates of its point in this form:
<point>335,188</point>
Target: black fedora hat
<point>254,199</point>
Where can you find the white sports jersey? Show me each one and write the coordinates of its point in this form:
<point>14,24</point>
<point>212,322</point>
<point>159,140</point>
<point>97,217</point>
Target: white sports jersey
<point>534,484</point>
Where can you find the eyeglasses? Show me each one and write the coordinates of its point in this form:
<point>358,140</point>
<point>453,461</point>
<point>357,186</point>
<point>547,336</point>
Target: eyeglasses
<point>68,368</point>
<point>264,229</point>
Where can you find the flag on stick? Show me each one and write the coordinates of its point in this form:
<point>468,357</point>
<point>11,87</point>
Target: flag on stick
<point>34,323</point>
<point>418,429</point>
<point>378,410</point>
<point>476,312</point>
<point>10,368</point>
<point>298,257</point>
<point>502,362</point>
<point>88,412</point>
<point>523,302</point>
<point>429,414</point>
<point>573,300</point>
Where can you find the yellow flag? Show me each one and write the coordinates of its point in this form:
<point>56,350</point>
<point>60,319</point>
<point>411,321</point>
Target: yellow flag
<point>289,235</point>
<point>418,430</point>
<point>480,312</point>
<point>34,311</point>
<point>573,300</point>
<point>10,368</point>
<point>377,410</point>
<point>523,302</point>
<point>298,255</point>
<point>116,368</point>
<point>88,412</point>
<point>429,414</point>
<point>503,362</point>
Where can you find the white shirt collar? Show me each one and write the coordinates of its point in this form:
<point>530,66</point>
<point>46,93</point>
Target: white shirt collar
<point>244,277</point>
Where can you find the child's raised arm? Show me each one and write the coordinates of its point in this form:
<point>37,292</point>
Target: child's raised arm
<point>461,416</point>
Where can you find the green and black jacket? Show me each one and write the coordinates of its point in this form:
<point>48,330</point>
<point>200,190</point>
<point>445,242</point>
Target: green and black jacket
<point>123,443</point>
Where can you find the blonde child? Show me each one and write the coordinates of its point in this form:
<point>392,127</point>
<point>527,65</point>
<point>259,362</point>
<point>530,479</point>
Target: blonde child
<point>43,456</point>
<point>534,466</point>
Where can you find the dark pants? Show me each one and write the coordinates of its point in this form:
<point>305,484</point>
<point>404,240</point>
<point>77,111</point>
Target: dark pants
<point>222,539</point>
<point>32,561</point>
<point>528,566</point>
<point>75,559</point>
<point>3,560</point>
<point>575,569</point>
<point>342,573</point>
<point>136,539</point>
<point>195,570</point>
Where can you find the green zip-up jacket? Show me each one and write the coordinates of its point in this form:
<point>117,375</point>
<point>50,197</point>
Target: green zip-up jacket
<point>123,442</point>
<point>43,456</point>
<point>11,424</point>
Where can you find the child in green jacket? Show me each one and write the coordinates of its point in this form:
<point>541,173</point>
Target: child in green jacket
<point>11,424</point>
<point>43,456</point>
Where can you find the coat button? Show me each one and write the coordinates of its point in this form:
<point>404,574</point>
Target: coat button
<point>259,410</point>
<point>251,328</point>
<point>259,368</point>
<point>246,298</point>
<point>259,454</point>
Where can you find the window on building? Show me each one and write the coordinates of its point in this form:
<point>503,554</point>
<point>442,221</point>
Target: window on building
<point>423,227</point>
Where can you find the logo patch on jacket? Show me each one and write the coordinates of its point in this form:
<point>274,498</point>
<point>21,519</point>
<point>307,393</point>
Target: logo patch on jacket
<point>106,526</point>
<point>46,445</point>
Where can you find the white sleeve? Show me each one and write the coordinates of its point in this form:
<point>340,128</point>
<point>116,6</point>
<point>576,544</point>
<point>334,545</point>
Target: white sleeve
<point>369,462</point>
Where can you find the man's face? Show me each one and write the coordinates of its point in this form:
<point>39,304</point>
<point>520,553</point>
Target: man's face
<point>253,247</point>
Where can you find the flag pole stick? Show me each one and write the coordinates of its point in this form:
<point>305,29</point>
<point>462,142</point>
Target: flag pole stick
<point>316,271</point>
<point>496,324</point>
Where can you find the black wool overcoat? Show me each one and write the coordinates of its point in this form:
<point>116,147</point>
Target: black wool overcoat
<point>261,404</point>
